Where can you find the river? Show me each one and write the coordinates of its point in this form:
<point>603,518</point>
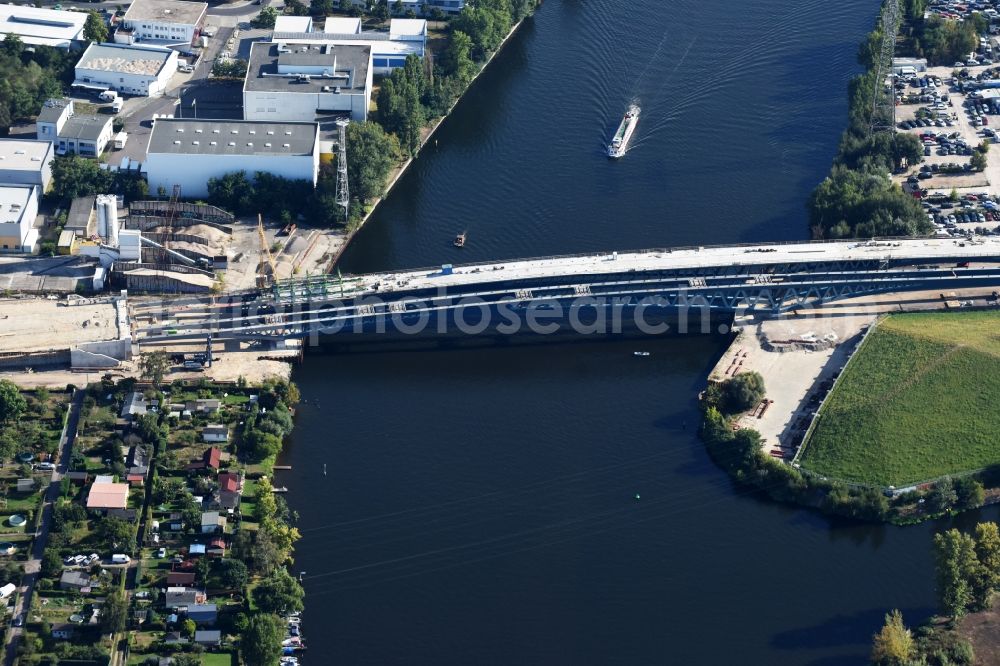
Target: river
<point>551,504</point>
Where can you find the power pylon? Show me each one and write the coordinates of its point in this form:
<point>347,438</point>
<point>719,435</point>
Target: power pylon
<point>343,192</point>
<point>883,116</point>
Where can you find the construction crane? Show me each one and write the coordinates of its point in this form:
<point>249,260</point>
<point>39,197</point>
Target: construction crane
<point>266,260</point>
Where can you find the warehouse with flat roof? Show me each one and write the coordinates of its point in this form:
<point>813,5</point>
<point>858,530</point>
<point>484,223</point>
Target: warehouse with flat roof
<point>298,81</point>
<point>26,162</point>
<point>42,27</point>
<point>18,210</point>
<point>163,21</point>
<point>128,69</point>
<point>188,152</point>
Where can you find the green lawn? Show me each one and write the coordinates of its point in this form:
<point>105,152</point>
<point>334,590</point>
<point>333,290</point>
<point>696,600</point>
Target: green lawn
<point>217,659</point>
<point>916,402</point>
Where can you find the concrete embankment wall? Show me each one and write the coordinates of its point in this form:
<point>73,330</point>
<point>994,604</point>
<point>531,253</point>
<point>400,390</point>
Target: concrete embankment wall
<point>15,361</point>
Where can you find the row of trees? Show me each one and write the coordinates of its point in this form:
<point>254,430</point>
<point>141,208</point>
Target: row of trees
<point>896,645</point>
<point>740,452</point>
<point>943,41</point>
<point>371,154</point>
<point>74,176</point>
<point>967,568</point>
<point>858,199</point>
<point>28,78</point>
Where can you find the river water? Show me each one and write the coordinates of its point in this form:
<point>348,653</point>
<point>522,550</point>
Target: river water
<point>551,504</point>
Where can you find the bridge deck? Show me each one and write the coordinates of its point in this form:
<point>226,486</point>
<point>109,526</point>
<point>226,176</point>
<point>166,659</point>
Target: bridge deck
<point>689,258</point>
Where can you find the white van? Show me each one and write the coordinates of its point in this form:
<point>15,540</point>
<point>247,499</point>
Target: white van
<point>119,558</point>
<point>117,104</point>
<point>108,96</point>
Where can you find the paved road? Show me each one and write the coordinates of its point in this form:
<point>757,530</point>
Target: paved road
<point>33,565</point>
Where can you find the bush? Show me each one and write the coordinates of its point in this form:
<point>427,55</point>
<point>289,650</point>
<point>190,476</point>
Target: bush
<point>743,392</point>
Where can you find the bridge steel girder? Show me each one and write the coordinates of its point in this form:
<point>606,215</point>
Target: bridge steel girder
<point>772,293</point>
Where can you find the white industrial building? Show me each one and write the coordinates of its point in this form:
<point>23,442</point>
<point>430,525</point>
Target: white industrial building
<point>129,69</point>
<point>293,24</point>
<point>389,48</point>
<point>188,152</point>
<point>167,22</point>
<point>300,81</point>
<point>42,27</point>
<point>18,210</point>
<point>26,162</point>
<point>81,134</point>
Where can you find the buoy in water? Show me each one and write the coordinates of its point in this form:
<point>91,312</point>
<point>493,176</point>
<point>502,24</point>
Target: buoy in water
<point>637,497</point>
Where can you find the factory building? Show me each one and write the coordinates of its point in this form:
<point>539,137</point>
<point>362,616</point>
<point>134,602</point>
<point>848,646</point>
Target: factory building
<point>188,152</point>
<point>165,22</point>
<point>389,49</point>
<point>80,134</point>
<point>132,70</point>
<point>26,162</point>
<point>18,210</point>
<point>293,24</point>
<point>300,81</point>
<point>42,27</point>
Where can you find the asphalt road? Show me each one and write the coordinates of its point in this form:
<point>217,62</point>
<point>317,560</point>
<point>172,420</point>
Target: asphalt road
<point>33,565</point>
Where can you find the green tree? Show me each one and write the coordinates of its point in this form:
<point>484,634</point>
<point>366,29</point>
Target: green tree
<point>189,627</point>
<point>279,593</point>
<point>893,645</point>
<point>321,7</point>
<point>257,549</point>
<point>154,365</point>
<point>265,20</point>
<point>74,176</point>
<point>978,160</point>
<point>743,392</point>
<point>942,497</point>
<point>117,534</point>
<point>95,29</point>
<point>956,567</point>
<point>260,643</point>
<point>51,563</point>
<point>12,403</point>
<point>988,551</point>
<point>458,57</point>
<point>371,153</point>
<point>969,493</point>
<point>114,612</point>
<point>12,45</point>
<point>233,191</point>
<point>233,573</point>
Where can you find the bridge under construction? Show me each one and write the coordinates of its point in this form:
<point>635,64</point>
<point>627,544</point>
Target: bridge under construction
<point>506,296</point>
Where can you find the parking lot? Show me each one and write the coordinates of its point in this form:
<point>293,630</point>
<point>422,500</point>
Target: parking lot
<point>952,115</point>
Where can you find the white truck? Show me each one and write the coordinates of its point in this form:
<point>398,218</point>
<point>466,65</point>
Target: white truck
<point>117,104</point>
<point>120,139</point>
<point>120,558</point>
<point>108,96</point>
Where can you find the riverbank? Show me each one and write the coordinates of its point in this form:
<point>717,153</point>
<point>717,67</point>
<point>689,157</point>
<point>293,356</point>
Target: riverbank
<point>801,359</point>
<point>427,133</point>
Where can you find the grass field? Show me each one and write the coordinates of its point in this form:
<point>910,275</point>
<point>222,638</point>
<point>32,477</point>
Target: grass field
<point>918,400</point>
